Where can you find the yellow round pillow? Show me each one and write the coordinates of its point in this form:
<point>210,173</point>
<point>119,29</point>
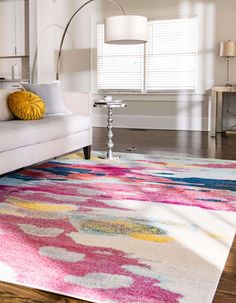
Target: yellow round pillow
<point>26,105</point>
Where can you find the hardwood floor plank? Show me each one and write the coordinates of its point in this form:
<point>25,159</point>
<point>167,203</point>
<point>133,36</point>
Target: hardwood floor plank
<point>231,261</point>
<point>10,293</point>
<point>224,298</point>
<point>227,283</point>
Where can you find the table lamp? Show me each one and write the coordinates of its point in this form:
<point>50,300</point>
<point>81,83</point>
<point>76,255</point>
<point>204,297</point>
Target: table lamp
<point>124,29</point>
<point>228,50</point>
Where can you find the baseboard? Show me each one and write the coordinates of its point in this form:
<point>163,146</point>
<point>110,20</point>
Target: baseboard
<point>230,132</point>
<point>154,122</point>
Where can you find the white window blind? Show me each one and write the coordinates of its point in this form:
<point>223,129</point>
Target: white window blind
<point>172,54</point>
<point>119,67</point>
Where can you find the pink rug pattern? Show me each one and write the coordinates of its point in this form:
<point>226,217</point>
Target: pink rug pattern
<point>143,229</point>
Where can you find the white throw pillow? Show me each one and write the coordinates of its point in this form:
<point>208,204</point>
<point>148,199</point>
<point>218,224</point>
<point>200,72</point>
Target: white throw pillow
<point>5,113</point>
<point>51,95</point>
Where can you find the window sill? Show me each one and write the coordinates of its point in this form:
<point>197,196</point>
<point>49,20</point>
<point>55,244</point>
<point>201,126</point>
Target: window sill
<point>154,97</point>
<point>175,93</point>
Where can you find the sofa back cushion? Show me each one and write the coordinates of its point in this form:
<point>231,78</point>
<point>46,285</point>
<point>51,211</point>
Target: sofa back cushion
<point>5,113</point>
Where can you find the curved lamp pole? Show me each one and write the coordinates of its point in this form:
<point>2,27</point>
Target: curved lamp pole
<point>137,26</point>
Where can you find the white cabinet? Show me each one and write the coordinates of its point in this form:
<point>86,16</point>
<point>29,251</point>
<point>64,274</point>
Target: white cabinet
<point>14,28</point>
<point>22,27</point>
<point>7,28</point>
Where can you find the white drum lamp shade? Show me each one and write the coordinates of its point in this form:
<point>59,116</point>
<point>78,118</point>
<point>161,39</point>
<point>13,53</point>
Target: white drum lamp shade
<point>126,29</point>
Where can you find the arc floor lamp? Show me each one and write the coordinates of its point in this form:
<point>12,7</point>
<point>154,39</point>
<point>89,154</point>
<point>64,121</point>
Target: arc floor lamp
<point>124,29</point>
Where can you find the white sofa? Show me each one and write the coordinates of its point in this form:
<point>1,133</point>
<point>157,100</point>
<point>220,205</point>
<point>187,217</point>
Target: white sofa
<point>23,143</point>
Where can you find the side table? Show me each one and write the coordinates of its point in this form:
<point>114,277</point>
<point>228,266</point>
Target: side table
<point>217,97</point>
<point>110,106</point>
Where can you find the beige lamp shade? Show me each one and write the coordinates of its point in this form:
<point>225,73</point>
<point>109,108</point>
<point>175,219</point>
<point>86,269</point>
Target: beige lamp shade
<point>126,29</point>
<point>228,49</point>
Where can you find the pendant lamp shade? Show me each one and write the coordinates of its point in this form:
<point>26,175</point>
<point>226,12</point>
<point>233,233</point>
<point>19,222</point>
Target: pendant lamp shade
<point>126,29</point>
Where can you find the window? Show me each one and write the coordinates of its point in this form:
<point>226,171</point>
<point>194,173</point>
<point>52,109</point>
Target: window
<point>172,54</point>
<point>167,62</point>
<point>119,67</point>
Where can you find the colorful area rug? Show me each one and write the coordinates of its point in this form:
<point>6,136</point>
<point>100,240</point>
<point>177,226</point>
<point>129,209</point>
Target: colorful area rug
<point>143,229</point>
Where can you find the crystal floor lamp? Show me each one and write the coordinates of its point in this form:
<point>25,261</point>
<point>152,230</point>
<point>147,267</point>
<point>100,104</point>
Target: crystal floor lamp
<point>124,29</point>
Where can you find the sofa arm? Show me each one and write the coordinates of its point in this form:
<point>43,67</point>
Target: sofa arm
<point>78,103</point>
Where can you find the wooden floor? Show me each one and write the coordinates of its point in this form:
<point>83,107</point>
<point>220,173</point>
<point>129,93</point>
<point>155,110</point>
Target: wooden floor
<point>197,144</point>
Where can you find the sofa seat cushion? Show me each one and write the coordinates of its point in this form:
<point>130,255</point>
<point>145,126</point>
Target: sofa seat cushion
<point>19,133</point>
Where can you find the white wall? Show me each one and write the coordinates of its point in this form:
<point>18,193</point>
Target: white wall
<point>217,23</point>
<point>52,17</point>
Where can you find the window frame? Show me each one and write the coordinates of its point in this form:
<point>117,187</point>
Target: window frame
<point>144,90</point>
